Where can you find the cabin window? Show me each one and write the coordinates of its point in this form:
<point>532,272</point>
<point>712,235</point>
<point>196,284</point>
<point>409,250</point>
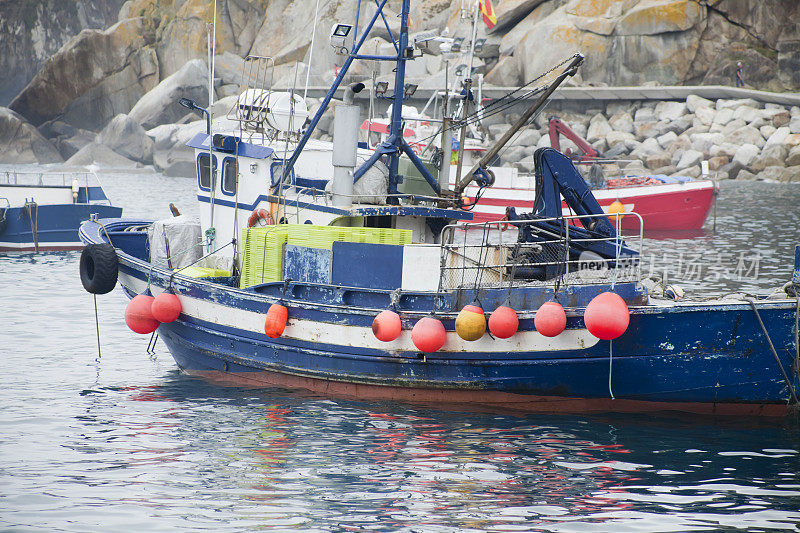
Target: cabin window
<point>206,170</point>
<point>276,171</point>
<point>230,170</point>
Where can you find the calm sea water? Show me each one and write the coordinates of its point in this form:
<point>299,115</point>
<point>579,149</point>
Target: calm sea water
<point>121,441</point>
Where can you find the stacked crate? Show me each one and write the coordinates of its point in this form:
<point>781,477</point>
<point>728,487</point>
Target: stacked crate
<point>262,248</point>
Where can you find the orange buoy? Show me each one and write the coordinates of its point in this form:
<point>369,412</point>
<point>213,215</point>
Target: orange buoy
<point>503,323</point>
<point>386,327</point>
<point>607,316</point>
<point>616,208</point>
<point>550,320</point>
<point>428,334</point>
<point>138,314</point>
<point>276,320</point>
<point>471,323</point>
<point>166,307</point>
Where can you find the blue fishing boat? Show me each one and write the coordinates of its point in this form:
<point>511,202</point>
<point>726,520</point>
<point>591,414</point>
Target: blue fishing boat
<point>362,276</point>
<point>42,210</point>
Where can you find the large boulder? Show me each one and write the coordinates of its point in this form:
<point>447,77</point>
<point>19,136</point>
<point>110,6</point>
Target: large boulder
<point>21,143</point>
<point>99,154</point>
<point>126,137</point>
<point>160,105</point>
<point>745,154</point>
<point>92,78</point>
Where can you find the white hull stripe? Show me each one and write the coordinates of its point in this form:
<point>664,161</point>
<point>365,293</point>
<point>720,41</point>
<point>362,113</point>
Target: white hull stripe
<point>42,244</point>
<point>529,194</point>
<point>362,337</point>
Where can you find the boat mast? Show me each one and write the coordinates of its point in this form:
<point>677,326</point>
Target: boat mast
<point>395,144</point>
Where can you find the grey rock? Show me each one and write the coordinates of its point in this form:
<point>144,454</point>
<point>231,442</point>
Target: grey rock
<point>621,121</point>
<point>645,114</point>
<point>746,175</point>
<point>747,113</point>
<point>781,118</point>
<point>178,161</point>
<point>160,105</point>
<point>21,143</point>
<point>746,154</point>
<point>793,159</point>
<point>647,148</point>
<point>717,162</point>
<point>598,128</point>
<point>666,170</point>
<point>705,115</point>
<point>680,124</point>
<point>665,140</point>
<point>93,77</point>
<point>528,137</point>
<point>690,158</point>
<point>127,138</point>
<point>693,102</point>
<point>733,104</point>
<point>723,116</point>
<point>794,124</point>
<point>732,169</point>
<point>228,67</point>
<point>69,146</point>
<point>767,130</point>
<point>659,161</point>
<point>725,149</point>
<point>670,110</point>
<point>776,173</point>
<point>771,155</point>
<point>704,141</point>
<point>746,135</point>
<point>99,154</point>
<point>617,150</point>
<point>778,137</point>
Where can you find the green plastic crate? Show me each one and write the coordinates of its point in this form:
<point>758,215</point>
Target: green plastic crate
<point>262,248</point>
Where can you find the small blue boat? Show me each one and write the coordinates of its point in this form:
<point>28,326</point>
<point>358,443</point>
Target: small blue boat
<point>355,279</point>
<point>41,211</point>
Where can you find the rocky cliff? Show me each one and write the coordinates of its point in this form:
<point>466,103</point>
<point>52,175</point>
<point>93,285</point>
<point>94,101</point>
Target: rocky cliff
<point>33,30</point>
<point>101,73</point>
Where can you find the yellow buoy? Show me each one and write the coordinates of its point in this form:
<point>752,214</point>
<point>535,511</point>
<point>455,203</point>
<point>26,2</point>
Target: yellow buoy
<point>471,323</point>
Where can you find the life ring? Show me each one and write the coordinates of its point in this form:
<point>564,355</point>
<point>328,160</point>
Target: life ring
<point>99,267</point>
<point>259,214</point>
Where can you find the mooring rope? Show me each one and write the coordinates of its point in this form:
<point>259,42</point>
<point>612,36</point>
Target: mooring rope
<point>774,352</point>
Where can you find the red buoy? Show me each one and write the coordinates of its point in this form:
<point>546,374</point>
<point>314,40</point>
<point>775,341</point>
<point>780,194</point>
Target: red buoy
<point>607,316</point>
<point>550,320</point>
<point>428,334</point>
<point>138,314</point>
<point>386,327</point>
<point>471,323</point>
<point>503,323</point>
<point>276,320</point>
<point>166,307</point>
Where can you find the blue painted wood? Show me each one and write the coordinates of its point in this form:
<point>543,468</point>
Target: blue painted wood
<point>56,223</point>
<point>303,264</point>
<point>357,264</point>
<point>796,273</point>
<point>246,149</point>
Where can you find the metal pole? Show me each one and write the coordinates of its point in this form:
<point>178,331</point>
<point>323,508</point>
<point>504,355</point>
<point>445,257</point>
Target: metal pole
<point>463,136</point>
<point>461,184</point>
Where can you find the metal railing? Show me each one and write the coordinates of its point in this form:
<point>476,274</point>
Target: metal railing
<point>54,178</point>
<point>484,255</point>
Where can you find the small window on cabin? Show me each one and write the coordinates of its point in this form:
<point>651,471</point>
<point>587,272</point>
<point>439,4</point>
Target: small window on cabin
<point>205,170</point>
<point>230,169</point>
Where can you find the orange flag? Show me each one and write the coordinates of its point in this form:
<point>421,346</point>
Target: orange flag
<point>488,13</point>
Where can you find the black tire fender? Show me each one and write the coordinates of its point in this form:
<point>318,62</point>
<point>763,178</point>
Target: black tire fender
<point>99,267</point>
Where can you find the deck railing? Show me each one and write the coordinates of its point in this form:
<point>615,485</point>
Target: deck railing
<point>488,254</point>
